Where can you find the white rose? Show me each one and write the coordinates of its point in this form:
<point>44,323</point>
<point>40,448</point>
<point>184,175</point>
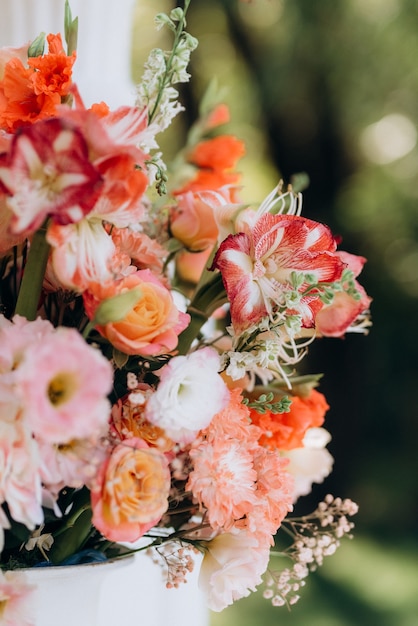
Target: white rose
<point>312,463</point>
<point>232,567</point>
<point>189,394</point>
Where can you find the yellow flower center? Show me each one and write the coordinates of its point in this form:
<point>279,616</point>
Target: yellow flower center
<point>61,388</point>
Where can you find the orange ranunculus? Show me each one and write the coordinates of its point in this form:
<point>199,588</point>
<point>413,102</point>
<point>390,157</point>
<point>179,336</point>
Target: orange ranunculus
<point>128,420</point>
<point>131,492</point>
<point>192,222</point>
<point>151,327</point>
<point>285,431</point>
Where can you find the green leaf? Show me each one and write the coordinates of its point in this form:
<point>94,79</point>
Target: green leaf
<point>120,358</point>
<point>76,528</point>
<point>70,29</point>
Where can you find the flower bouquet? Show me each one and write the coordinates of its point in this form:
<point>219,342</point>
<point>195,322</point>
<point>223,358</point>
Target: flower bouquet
<point>151,324</point>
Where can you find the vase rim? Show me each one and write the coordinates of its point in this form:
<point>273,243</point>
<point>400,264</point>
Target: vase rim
<point>70,569</point>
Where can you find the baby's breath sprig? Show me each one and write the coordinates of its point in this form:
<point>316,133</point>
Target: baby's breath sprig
<point>177,560</point>
<point>315,536</point>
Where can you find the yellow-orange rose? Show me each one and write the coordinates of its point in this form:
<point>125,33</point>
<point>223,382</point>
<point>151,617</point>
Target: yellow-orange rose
<point>131,492</point>
<point>151,327</point>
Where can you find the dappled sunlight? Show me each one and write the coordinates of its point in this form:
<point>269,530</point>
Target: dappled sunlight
<point>389,139</point>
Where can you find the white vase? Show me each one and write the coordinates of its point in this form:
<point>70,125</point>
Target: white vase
<point>123,592</point>
<point>137,596</point>
<point>70,595</point>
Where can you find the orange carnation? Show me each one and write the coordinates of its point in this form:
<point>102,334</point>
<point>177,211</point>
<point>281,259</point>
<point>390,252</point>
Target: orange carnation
<point>285,431</point>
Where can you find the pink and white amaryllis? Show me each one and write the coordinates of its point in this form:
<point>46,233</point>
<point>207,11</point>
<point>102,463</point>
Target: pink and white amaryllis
<point>85,251</point>
<point>47,172</point>
<point>63,385</point>
<point>345,311</point>
<point>257,268</point>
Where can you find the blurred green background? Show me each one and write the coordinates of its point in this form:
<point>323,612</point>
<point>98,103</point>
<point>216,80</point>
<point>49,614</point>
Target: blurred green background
<point>330,87</point>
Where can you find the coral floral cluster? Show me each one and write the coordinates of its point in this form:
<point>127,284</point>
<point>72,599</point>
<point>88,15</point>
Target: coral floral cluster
<point>101,390</point>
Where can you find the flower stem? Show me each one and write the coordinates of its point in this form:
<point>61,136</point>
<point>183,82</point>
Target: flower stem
<point>33,276</point>
<point>207,299</point>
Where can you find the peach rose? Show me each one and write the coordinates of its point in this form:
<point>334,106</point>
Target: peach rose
<point>151,327</point>
<point>192,222</point>
<point>131,492</point>
<point>190,265</point>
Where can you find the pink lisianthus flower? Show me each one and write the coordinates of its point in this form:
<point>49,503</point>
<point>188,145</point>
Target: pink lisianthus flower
<point>16,597</point>
<point>152,325</point>
<point>47,172</point>
<point>20,478</point>
<point>15,337</point>
<point>335,319</point>
<point>189,394</point>
<point>256,266</point>
<point>232,567</point>
<point>63,384</point>
<point>73,464</point>
<point>130,494</point>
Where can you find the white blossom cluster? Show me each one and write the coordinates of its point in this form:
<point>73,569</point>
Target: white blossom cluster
<point>266,351</point>
<point>163,69</point>
<point>315,536</point>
